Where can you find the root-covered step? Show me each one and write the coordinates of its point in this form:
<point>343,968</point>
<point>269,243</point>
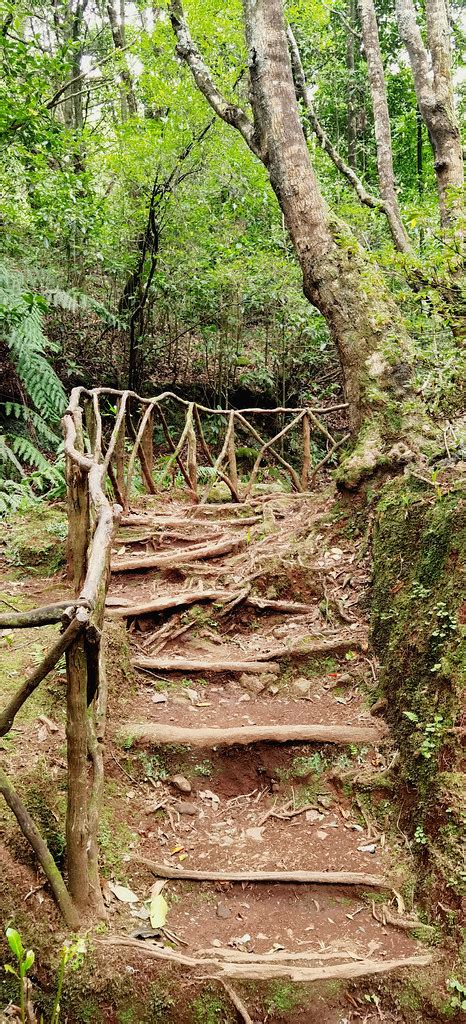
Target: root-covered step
<point>251,718</point>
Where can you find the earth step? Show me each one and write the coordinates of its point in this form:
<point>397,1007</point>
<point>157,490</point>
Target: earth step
<point>159,520</point>
<point>293,877</point>
<point>203,665</point>
<point>267,971</point>
<point>169,560</point>
<point>124,609</point>
<point>335,643</point>
<point>157,733</point>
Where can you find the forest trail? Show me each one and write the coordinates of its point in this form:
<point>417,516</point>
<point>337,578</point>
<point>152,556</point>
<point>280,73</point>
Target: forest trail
<point>249,746</point>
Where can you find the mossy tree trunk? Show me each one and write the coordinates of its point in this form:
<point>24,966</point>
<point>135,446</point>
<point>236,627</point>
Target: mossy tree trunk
<point>367,327</point>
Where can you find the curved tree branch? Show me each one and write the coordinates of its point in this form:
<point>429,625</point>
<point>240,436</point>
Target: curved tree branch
<point>304,94</point>
<point>187,50</point>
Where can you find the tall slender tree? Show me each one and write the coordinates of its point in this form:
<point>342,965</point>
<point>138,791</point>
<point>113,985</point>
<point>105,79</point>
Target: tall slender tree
<point>382,128</point>
<point>433,83</point>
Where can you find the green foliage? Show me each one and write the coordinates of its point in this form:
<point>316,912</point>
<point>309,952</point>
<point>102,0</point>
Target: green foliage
<point>71,956</point>
<point>30,425</point>
<point>457,999</point>
<point>419,544</point>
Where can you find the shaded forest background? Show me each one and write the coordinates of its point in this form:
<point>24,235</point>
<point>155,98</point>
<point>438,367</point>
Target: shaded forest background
<point>142,242</point>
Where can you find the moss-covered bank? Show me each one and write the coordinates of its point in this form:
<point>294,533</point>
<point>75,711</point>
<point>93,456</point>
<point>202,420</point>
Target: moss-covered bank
<point>419,547</point>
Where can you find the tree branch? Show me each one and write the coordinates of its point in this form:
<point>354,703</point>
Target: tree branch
<point>52,102</point>
<point>304,94</point>
<point>188,52</point>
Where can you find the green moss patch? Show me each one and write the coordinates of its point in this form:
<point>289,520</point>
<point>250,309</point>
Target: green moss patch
<point>38,541</point>
<point>419,547</point>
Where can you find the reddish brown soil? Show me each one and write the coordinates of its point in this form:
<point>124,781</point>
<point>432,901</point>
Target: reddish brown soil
<point>292,555</point>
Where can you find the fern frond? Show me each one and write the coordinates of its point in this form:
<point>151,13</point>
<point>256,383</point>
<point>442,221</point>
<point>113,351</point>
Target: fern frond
<point>7,456</point>
<point>27,344</point>
<point>27,452</point>
<point>29,417</point>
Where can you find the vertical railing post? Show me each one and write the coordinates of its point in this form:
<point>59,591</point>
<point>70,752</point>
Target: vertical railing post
<point>77,485</point>
<point>232,467</point>
<point>77,830</point>
<point>192,451</point>
<point>146,454</point>
<point>306,452</point>
<point>120,453</point>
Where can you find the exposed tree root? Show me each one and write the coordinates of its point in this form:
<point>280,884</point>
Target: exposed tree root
<point>126,611</point>
<point>292,877</point>
<point>265,972</point>
<point>237,1003</point>
<point>152,732</point>
<point>160,604</point>
<point>170,559</point>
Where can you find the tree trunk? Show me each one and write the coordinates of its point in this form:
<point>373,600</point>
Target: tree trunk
<point>129,105</point>
<point>382,129</point>
<point>434,92</point>
<point>372,341</point>
<point>351,130</point>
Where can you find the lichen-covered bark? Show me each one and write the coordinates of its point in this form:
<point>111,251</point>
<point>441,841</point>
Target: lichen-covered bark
<point>432,74</point>
<point>338,279</point>
<point>372,340</point>
<point>382,129</point>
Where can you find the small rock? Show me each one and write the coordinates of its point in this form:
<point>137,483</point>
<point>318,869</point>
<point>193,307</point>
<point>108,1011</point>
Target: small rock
<point>180,783</point>
<point>300,687</point>
<point>313,815</point>
<point>222,911</point>
<point>324,800</point>
<point>369,848</point>
<point>253,684</point>
<point>184,808</point>
<point>345,679</point>
<point>255,834</point>
<point>321,834</point>
<point>269,677</point>
<point>159,698</point>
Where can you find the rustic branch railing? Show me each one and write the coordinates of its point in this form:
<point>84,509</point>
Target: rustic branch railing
<point>101,473</point>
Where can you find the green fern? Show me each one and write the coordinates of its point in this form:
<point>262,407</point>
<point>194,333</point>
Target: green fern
<point>8,457</point>
<point>33,420</point>
<point>30,428</point>
<point>28,453</point>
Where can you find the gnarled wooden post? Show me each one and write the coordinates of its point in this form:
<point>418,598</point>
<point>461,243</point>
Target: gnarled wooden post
<point>306,452</point>
<point>191,463</point>
<point>120,452</point>
<point>77,827</point>
<point>146,455</point>
<point>232,467</point>
<point>78,511</point>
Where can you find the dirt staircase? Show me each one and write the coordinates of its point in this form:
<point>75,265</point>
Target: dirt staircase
<point>259,780</point>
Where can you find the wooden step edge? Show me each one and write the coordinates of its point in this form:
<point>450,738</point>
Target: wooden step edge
<point>359,878</point>
<point>157,733</point>
<point>205,665</point>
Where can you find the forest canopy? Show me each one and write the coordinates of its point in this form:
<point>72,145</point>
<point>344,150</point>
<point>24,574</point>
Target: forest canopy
<point>143,243</point>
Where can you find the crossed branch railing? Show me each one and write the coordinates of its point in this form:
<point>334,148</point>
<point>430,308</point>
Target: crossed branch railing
<point>108,434</point>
